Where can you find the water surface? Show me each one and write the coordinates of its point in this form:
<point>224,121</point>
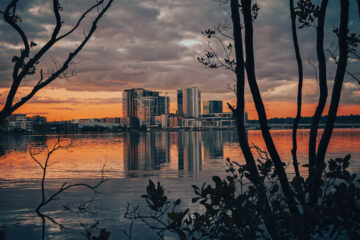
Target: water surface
<point>177,159</point>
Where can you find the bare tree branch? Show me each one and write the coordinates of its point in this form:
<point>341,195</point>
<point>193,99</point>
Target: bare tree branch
<point>60,143</point>
<point>334,57</point>
<point>29,67</point>
<point>315,70</point>
<point>79,20</point>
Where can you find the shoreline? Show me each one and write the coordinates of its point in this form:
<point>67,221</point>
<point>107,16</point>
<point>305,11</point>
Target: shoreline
<point>249,128</point>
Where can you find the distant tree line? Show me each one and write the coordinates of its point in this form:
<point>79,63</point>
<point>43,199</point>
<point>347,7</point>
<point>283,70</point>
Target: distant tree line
<point>307,120</point>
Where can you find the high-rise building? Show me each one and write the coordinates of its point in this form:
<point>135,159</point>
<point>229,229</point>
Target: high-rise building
<point>141,106</point>
<point>130,104</point>
<point>163,102</point>
<point>148,109</point>
<point>180,102</point>
<point>192,102</point>
<point>215,106</point>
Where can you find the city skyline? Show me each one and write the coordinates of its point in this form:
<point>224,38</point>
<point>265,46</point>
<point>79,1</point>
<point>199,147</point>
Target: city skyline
<point>56,113</point>
<point>161,55</point>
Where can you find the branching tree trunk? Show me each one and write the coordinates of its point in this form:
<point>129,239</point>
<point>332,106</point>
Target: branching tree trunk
<point>300,84</point>
<point>239,115</point>
<point>335,98</point>
<point>46,200</point>
<point>24,67</point>
<point>250,69</point>
<point>322,82</point>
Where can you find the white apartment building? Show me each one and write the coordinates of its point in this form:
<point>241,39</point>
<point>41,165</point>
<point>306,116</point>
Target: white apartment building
<point>192,102</point>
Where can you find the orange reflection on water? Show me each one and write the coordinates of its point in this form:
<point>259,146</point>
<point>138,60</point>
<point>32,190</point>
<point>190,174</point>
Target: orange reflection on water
<point>167,154</point>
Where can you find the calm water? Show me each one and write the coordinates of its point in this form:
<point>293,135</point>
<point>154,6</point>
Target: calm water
<point>177,159</point>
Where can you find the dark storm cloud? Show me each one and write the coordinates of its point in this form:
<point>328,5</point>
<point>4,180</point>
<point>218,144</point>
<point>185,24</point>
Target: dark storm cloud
<point>154,44</point>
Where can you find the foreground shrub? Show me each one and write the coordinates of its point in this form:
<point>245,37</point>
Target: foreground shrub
<point>231,208</point>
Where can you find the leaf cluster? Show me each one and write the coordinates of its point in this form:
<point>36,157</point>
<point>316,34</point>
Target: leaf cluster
<point>307,13</point>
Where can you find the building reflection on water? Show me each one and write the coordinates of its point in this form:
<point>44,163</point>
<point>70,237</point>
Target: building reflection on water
<point>145,151</point>
<point>20,143</point>
<point>189,153</point>
<point>149,151</point>
<point>156,153</point>
<point>214,144</point>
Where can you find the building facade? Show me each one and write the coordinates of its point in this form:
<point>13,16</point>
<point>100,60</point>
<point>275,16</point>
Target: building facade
<point>215,106</point>
<point>192,102</point>
<point>205,108</point>
<point>141,106</point>
<point>180,102</point>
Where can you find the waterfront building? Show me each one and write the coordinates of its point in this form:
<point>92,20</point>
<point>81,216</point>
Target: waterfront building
<point>191,123</point>
<point>174,121</point>
<point>18,122</point>
<point>205,107</point>
<point>162,121</point>
<point>62,127</point>
<point>124,121</point>
<point>37,119</point>
<point>180,102</point>
<point>192,102</point>
<point>164,105</point>
<point>218,120</point>
<point>141,106</point>
<point>38,124</point>
<point>215,106</point>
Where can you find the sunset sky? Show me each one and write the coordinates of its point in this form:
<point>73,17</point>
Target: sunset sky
<point>154,44</point>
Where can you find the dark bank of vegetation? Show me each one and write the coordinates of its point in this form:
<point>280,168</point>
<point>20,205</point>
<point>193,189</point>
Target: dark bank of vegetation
<point>350,119</point>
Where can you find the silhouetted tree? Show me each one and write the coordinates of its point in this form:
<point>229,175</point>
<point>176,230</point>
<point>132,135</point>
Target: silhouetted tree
<point>25,66</point>
<point>313,15</point>
<point>342,33</point>
<point>308,15</point>
<point>239,114</point>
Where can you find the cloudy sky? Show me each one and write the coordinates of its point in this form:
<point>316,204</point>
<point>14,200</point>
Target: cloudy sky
<point>154,44</point>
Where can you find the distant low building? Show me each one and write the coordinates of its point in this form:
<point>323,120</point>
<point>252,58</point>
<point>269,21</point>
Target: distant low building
<point>124,121</point>
<point>18,122</point>
<point>218,120</point>
<point>174,121</point>
<point>162,121</point>
<point>39,124</point>
<point>191,123</point>
<point>63,127</point>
